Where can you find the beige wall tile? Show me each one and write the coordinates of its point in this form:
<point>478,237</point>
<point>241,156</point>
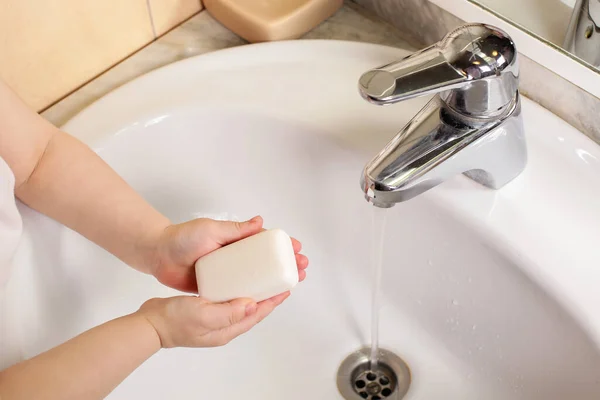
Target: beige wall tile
<point>49,48</point>
<point>167,14</point>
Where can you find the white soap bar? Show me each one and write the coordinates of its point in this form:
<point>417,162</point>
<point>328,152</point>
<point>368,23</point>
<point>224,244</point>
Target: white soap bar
<point>257,267</point>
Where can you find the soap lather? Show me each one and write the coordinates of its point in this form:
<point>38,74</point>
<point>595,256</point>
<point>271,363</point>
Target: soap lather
<point>257,267</point>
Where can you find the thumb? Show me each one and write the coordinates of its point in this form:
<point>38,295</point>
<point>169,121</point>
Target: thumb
<point>230,231</point>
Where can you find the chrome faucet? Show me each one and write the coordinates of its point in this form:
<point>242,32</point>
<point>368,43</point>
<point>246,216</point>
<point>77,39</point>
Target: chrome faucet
<point>472,125</point>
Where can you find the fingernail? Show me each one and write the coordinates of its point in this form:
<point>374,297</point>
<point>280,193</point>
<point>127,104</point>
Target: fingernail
<point>250,309</point>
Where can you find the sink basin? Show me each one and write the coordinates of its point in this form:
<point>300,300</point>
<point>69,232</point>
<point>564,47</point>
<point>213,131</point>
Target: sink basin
<point>486,294</point>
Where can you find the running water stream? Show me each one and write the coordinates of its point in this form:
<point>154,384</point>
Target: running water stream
<point>379,220</point>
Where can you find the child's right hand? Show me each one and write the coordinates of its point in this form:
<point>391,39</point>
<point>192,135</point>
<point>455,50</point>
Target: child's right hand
<point>190,321</point>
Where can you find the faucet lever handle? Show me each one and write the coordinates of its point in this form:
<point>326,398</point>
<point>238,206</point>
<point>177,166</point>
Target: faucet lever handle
<point>471,63</point>
<point>422,73</point>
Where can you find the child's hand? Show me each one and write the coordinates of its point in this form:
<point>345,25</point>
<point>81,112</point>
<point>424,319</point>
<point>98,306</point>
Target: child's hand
<point>181,245</point>
<point>189,321</point>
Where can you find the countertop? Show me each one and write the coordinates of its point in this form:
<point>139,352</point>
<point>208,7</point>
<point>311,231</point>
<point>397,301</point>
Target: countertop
<point>202,34</point>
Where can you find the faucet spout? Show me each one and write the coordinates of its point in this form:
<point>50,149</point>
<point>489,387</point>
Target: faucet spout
<point>437,144</point>
<point>473,124</point>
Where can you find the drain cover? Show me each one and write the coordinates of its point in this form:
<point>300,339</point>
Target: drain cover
<point>356,380</point>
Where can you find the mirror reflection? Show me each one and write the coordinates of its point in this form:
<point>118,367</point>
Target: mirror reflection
<point>572,25</point>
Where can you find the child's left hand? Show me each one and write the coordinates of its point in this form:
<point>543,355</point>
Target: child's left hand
<point>181,245</point>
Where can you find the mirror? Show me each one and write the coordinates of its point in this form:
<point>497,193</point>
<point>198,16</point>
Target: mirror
<point>572,26</point>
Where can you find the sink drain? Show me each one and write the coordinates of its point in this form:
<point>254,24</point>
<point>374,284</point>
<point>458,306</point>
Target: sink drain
<point>389,381</point>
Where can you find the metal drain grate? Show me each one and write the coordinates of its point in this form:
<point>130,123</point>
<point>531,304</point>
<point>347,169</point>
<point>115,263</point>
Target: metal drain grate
<point>375,384</point>
<point>389,381</point>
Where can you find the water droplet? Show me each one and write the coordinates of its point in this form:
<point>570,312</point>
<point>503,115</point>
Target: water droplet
<point>470,352</point>
<point>419,302</point>
<point>429,262</point>
<point>469,376</point>
<point>474,326</point>
<point>497,336</point>
<point>480,348</point>
<point>469,280</point>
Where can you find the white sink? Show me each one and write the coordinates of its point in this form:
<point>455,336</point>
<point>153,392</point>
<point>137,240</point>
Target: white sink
<point>487,294</point>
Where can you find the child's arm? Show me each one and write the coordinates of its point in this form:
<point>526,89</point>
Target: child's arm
<point>91,365</point>
<point>61,177</point>
<point>88,366</point>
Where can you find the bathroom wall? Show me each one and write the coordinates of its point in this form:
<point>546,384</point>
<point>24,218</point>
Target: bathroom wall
<point>50,48</point>
<point>424,23</point>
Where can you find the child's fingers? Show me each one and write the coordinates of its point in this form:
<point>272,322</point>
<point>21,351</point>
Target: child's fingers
<point>301,275</point>
<point>265,307</point>
<point>226,232</point>
<point>263,310</point>
<point>301,261</point>
<point>296,245</point>
<point>276,300</point>
<point>223,315</point>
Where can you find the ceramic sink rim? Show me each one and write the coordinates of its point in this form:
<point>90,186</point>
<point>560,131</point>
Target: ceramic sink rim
<point>493,285</point>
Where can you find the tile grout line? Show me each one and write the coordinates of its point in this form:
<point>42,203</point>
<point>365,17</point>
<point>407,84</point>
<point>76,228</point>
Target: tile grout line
<point>149,7</point>
<point>61,98</point>
<point>55,102</point>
